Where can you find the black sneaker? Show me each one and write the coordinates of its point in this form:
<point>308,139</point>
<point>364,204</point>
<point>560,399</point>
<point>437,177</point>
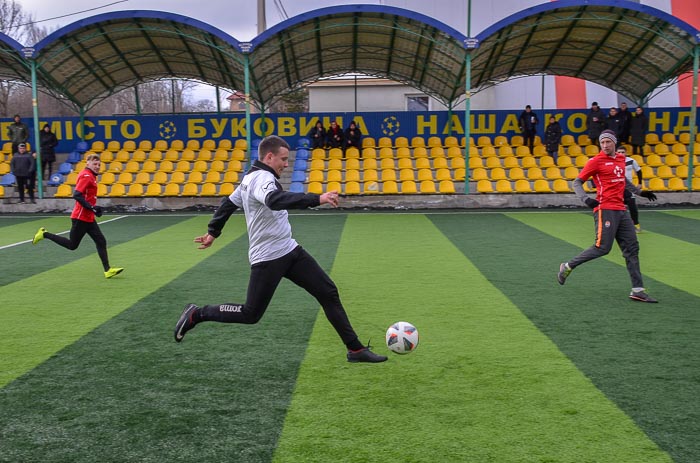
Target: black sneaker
<point>641,296</point>
<point>186,322</point>
<point>564,271</point>
<point>365,355</point>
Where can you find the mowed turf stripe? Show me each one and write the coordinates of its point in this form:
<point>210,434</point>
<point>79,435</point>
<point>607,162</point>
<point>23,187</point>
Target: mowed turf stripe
<point>663,258</point>
<point>484,384</point>
<point>644,357</point>
<point>127,392</point>
<point>684,226</point>
<point>46,312</point>
<point>26,259</point>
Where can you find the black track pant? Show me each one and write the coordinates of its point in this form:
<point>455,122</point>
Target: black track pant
<point>301,269</point>
<point>611,226</point>
<point>77,232</point>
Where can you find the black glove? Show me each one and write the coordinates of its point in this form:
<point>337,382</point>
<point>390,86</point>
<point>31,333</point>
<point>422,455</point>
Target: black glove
<point>648,195</point>
<point>97,210</point>
<point>592,203</point>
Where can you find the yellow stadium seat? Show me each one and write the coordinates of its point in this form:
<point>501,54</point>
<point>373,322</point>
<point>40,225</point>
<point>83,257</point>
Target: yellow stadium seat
<point>387,163</point>
<point>135,189</point>
<point>187,155</point>
<point>483,141</point>
<point>661,149</point>
<point>541,186</point>
<point>161,145</point>
<point>440,163</point>
<point>386,152</point>
<point>420,152</point>
<point>457,163</point>
<point>64,191</point>
<point>352,188</point>
<point>149,166</point>
<point>424,174</point>
<point>107,179</point>
<point>106,156</point>
<point>190,189</point>
<point>500,141</point>
<point>204,155</point>
<point>317,164</point>
<point>177,177</point>
<point>208,189</point>
<point>534,173</point>
<point>159,177</point>
<point>171,189</point>
<point>484,186</point>
<point>505,150</point>
<point>657,184</point>
<point>583,140</point>
<point>443,174</point>
<point>503,186</point>
<point>651,139</point>
<point>142,178</point>
<point>97,146</point>
<point>117,190</point>
<point>171,155</point>
<point>455,152</point>
<point>475,163</point>
<point>409,187</point>
<point>225,189</point>
<point>334,186</point>
<point>369,164</point>
<point>209,145</point>
<point>664,172</point>
<point>368,142</point>
<point>407,174</point>
<point>195,177</point>
<point>418,142</point>
<point>352,175</point>
<point>113,145</point>
<point>230,176</point>
<point>155,155</point>
<point>581,161</point>
<point>370,175</point>
<point>696,184</point>
<point>212,177</point>
<point>451,142</point>
<point>221,155</point>
<point>591,150</point>
<point>217,166</point>
<point>401,142</point>
<point>369,153</point>
<point>567,140</point>
<point>492,162</point>
<point>315,187</point>
<point>434,142</point>
<point>405,163</point>
<point>552,173</point>
<point>516,140</point>
<point>574,150</point>
<point>522,151</point>
<point>315,176</point>
<point>388,175</point>
<point>390,187</point>
<point>511,162</point>
<point>225,144</point>
<point>682,171</point>
<point>335,153</point>
<point>154,189</point>
<point>427,186</point>
<point>539,150</point>
<point>546,161</point>
<point>237,154</point>
<point>488,151</point>
<point>668,138</point>
<point>129,145</point>
<point>447,187</point>
<point>463,142</point>
<point>564,161</point>
<point>403,153</point>
<point>516,173</point>
<point>498,173</point>
<point>423,163</point>
<point>571,172</point>
<point>676,184</point>
<point>479,174</point>
<point>522,186</point>
<point>334,176</point>
<point>352,153</point>
<point>654,160</point>
<point>561,186</point>
<point>384,142</point>
<point>125,178</point>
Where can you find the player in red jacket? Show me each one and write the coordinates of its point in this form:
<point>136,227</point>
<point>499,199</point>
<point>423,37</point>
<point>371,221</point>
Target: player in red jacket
<point>83,217</point>
<point>612,219</point>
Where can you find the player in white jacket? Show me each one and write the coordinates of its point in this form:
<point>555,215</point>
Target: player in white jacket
<point>273,253</point>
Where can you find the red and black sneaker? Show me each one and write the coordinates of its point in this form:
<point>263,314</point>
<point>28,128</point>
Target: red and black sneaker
<point>365,355</point>
<point>641,296</point>
<point>186,322</point>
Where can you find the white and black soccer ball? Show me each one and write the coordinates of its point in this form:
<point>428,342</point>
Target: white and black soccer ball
<point>402,338</point>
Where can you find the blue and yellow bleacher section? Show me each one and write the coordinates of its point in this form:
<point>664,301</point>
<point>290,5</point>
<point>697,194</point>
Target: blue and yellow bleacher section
<point>496,165</point>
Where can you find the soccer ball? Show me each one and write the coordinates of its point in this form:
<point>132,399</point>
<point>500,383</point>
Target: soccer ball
<point>402,338</point>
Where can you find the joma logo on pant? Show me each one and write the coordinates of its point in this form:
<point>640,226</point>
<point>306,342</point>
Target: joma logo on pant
<point>230,308</point>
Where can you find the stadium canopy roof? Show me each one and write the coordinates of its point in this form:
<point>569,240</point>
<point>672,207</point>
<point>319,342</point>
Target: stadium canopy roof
<point>630,48</point>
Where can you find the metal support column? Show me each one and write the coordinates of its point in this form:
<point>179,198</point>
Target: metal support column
<point>37,137</point>
<point>693,116</point>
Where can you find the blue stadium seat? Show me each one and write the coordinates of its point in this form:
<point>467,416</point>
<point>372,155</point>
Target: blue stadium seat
<point>300,164</point>
<point>65,168</point>
<point>298,176</point>
<point>55,180</point>
<point>303,142</point>
<point>82,147</point>
<point>7,180</point>
<point>296,187</point>
<point>74,157</point>
<point>302,153</point>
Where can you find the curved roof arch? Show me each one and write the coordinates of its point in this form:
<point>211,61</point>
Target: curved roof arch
<point>101,55</point>
<point>13,66</point>
<point>627,47</point>
<point>381,41</point>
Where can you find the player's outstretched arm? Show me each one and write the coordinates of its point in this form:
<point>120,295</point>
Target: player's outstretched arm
<point>329,197</point>
<point>205,241</point>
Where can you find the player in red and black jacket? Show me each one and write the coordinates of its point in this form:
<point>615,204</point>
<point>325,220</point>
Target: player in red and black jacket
<point>83,217</point>
<point>612,219</point>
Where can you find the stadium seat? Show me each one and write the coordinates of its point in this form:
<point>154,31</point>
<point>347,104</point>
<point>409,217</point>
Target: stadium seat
<point>505,150</point>
<point>388,175</point>
<point>440,163</point>
<point>479,174</point>
<point>190,189</point>
<point>493,162</point>
<point>503,186</point>
<point>546,161</point>
<point>664,172</point>
<point>451,142</point>
<point>657,184</point>
<point>498,173</point>
<point>434,142</point>
<point>541,186</point>
<point>534,173</point>
<point>511,162</point>
<point>65,168</point>
<point>484,186</point>
<point>682,171</point>
<point>443,174</point>
<point>488,151</point>
<point>583,140</point>
<point>522,186</point>
<point>129,145</point>
<point>387,163</point>
<point>516,140</point>
<point>135,189</point>
<point>390,187</point>
<point>676,184</point>
<point>334,176</point>
<point>368,142</point>
<point>564,161</point>
<point>500,141</point>
<point>427,186</point>
<point>447,187</point>
<point>401,142</point>
<point>116,190</point>
<point>552,173</point>
<point>154,189</point>
<point>567,140</point>
<point>55,179</point>
<point>352,188</point>
<point>418,142</point>
<point>142,178</point>
<point>63,191</point>
<point>483,141</point>
<point>384,142</point>
<point>352,153</point>
<point>561,186</point>
<point>516,173</point>
<point>475,163</point>
<point>420,152</point>
<point>409,187</point>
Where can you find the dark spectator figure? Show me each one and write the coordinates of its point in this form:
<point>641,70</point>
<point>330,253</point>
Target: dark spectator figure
<point>335,137</point>
<point>614,122</point>
<point>317,135</point>
<point>23,167</point>
<point>528,126</point>
<point>596,123</point>
<point>17,132</point>
<point>639,125</point>
<point>353,136</point>
<point>552,138</point>
<point>626,116</point>
<point>48,143</point>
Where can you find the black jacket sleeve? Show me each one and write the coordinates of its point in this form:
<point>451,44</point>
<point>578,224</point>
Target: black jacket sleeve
<point>78,196</point>
<point>281,200</point>
<point>221,216</point>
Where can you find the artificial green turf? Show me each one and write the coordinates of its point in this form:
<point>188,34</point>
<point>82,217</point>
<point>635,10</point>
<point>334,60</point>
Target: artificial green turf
<point>128,392</point>
<point>642,356</point>
<point>67,302</point>
<point>26,260</point>
<point>483,385</point>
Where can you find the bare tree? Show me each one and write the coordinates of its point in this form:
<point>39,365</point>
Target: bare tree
<point>13,22</point>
